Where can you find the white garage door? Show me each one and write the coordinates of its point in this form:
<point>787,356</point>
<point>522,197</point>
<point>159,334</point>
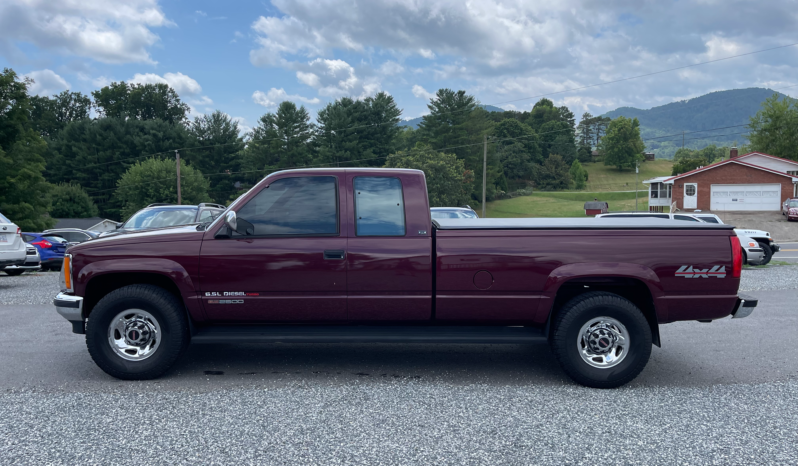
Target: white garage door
<point>757,197</point>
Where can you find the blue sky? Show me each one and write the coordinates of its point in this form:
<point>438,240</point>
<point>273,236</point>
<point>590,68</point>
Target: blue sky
<point>245,57</point>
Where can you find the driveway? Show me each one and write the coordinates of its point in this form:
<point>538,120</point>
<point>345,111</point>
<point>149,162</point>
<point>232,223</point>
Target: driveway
<point>772,222</point>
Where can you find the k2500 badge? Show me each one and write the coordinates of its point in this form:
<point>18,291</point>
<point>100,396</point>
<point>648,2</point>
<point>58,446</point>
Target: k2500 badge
<point>688,271</point>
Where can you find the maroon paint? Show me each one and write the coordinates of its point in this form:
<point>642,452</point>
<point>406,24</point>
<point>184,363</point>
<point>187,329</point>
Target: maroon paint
<point>505,277</point>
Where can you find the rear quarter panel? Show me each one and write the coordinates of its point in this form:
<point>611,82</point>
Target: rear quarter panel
<point>529,266</point>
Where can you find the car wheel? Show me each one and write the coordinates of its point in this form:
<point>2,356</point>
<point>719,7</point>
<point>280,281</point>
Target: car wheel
<point>745,256</point>
<point>137,332</point>
<point>14,272</point>
<point>601,340</point>
<point>768,253</point>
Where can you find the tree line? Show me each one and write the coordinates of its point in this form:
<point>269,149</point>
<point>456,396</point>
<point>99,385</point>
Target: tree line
<point>109,154</point>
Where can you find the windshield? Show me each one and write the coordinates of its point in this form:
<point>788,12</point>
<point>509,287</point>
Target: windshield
<point>155,218</point>
<point>453,214</point>
<point>793,203</point>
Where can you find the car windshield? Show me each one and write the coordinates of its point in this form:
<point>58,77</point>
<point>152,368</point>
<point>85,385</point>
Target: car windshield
<point>793,203</point>
<point>453,214</point>
<point>159,218</point>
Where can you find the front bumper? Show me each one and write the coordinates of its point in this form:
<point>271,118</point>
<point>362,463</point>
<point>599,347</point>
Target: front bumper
<point>71,308</point>
<point>775,247</point>
<point>744,307</point>
<point>754,256</point>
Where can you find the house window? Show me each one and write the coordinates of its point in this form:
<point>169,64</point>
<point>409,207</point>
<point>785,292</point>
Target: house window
<point>670,191</point>
<point>654,190</point>
<point>689,190</point>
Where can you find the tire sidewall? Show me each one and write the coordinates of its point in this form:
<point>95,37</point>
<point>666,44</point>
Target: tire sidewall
<point>639,347</point>
<point>108,359</point>
<point>768,253</point>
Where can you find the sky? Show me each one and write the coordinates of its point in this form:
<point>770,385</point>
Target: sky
<point>245,57</point>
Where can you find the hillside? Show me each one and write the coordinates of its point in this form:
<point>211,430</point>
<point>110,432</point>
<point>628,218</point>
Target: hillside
<point>603,178</point>
<point>714,110</point>
<point>415,121</point>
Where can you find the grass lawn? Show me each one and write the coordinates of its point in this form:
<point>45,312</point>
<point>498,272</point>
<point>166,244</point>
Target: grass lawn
<point>554,204</point>
<point>603,178</point>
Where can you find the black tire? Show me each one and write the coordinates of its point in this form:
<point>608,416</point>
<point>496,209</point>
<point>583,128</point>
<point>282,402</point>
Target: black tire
<point>768,253</point>
<point>580,311</point>
<point>745,256</point>
<point>170,315</point>
<point>14,272</point>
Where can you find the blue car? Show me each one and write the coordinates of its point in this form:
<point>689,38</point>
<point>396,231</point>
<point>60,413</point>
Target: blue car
<point>51,248</point>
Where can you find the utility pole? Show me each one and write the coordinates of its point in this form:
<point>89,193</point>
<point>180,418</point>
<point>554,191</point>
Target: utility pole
<point>637,170</point>
<point>177,161</point>
<point>484,171</point>
<point>682,139</point>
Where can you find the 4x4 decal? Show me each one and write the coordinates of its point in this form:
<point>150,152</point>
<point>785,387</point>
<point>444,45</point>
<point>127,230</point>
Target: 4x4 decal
<point>688,271</point>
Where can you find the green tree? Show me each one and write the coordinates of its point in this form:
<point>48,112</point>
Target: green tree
<point>23,190</point>
<point>553,174</point>
<point>622,146</point>
<point>556,137</point>
<point>685,164</point>
<point>218,152</point>
<point>281,140</point>
<point>140,102</point>
<point>95,154</point>
<point>516,162</point>
<point>578,175</point>
<point>51,115</point>
<point>155,180</point>
<point>448,181</point>
<point>71,201</point>
<point>363,131</point>
<point>774,128</point>
<point>509,132</point>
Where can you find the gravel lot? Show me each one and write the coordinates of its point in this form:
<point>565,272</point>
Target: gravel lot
<point>467,404</point>
<point>406,423</point>
<point>41,287</point>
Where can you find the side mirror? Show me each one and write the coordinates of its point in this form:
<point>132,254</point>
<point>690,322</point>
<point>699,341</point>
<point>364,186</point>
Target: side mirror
<point>230,220</point>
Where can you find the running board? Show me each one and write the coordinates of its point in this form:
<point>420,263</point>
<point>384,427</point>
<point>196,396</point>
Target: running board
<point>366,334</point>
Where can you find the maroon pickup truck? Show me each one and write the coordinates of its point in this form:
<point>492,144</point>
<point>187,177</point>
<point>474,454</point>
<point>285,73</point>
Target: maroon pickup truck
<point>352,255</point>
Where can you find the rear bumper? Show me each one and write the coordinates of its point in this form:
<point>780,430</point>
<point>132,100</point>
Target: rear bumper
<point>744,307</point>
<point>71,308</point>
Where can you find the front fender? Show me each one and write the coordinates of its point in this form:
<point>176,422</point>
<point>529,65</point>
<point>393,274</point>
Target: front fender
<point>167,267</point>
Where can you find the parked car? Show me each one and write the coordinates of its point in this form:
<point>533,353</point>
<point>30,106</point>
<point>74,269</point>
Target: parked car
<point>766,242</point>
<point>790,209</point>
<point>51,248</point>
<point>32,262</point>
<point>167,215</point>
<point>12,248</point>
<point>73,235</point>
<point>453,212</point>
<point>753,254</point>
<point>352,255</point>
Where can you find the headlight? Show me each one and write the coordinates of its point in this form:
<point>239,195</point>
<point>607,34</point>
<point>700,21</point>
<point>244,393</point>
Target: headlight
<point>66,274</point>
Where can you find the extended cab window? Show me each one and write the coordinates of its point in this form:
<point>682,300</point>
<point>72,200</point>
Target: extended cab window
<point>379,206</point>
<point>306,206</point>
<point>685,217</point>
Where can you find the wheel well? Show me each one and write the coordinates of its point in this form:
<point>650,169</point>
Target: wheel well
<point>103,284</point>
<point>632,289</point>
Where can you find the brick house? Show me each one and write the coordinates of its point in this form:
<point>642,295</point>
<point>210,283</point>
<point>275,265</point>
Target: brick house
<point>750,182</point>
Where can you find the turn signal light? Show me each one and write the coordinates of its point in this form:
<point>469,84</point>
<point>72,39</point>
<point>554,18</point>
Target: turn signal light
<point>737,257</point>
<point>66,274</point>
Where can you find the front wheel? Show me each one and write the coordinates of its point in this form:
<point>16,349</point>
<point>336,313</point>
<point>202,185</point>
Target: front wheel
<point>768,253</point>
<point>137,332</point>
<point>601,340</point>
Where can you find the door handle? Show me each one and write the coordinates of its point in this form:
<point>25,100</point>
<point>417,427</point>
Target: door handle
<point>335,254</point>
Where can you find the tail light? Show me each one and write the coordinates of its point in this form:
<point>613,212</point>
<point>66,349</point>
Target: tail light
<point>19,232</point>
<point>43,244</point>
<point>737,257</point>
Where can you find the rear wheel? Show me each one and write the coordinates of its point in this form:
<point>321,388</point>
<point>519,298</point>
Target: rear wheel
<point>601,340</point>
<point>137,332</point>
<point>768,253</point>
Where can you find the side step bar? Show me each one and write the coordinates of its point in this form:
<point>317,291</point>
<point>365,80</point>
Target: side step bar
<point>366,334</point>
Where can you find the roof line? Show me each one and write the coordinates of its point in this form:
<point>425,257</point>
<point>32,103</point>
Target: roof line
<point>768,155</point>
<point>723,162</point>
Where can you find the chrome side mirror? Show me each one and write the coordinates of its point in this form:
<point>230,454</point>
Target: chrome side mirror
<point>230,220</point>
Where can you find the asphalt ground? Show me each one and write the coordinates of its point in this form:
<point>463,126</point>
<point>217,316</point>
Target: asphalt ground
<point>719,393</point>
<point>788,253</point>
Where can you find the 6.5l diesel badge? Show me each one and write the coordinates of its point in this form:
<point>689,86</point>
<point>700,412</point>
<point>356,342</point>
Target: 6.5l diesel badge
<point>688,271</point>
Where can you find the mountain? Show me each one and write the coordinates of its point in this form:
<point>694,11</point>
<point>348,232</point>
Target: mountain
<point>722,109</point>
<point>415,121</point>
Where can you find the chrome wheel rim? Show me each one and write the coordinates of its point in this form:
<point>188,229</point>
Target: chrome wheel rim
<point>603,342</point>
<point>134,334</point>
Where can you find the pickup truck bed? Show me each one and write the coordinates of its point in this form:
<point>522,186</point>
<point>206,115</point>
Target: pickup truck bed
<point>352,255</point>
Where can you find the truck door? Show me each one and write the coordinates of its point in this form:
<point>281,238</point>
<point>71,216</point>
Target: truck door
<point>290,265</point>
<point>389,249</point>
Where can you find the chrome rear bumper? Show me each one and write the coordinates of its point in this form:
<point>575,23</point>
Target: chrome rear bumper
<point>744,307</point>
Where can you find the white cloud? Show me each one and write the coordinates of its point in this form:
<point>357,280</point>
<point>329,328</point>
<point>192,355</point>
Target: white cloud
<point>180,82</point>
<point>422,93</point>
<point>391,68</point>
<point>275,96</point>
<point>110,31</point>
<point>46,82</point>
<point>426,53</point>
